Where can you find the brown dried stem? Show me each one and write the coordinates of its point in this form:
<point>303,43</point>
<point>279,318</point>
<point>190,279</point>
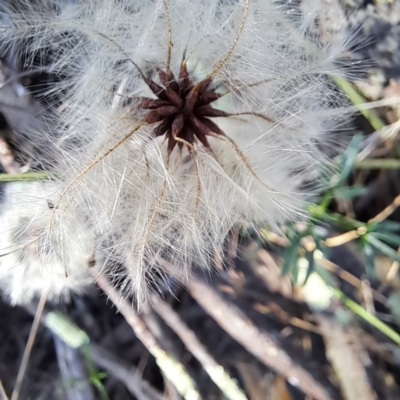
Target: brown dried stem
<point>126,374</point>
<point>260,344</point>
<point>386,212</point>
<point>29,346</point>
<point>349,278</point>
<point>216,372</point>
<point>172,369</point>
<point>348,359</point>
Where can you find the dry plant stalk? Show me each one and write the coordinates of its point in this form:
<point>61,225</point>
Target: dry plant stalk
<point>348,358</point>
<point>219,376</point>
<point>172,369</point>
<point>260,344</point>
<point>28,348</point>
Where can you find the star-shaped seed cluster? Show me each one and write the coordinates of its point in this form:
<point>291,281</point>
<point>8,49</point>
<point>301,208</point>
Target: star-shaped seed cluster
<point>183,109</point>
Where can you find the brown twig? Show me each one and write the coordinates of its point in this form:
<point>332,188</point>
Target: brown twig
<point>349,278</point>
<point>260,344</point>
<point>172,369</point>
<point>348,359</point>
<point>394,268</point>
<point>354,234</point>
<point>216,372</point>
<point>29,346</point>
<point>286,318</point>
<point>124,373</point>
<point>387,211</point>
<point>343,238</point>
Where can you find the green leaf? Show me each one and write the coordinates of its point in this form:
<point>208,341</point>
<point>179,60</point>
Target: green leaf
<point>347,193</point>
<point>66,330</point>
<point>328,277</point>
<point>366,316</point>
<point>26,176</point>
<point>290,256</point>
<point>378,163</point>
<point>369,260</point>
<point>382,247</point>
<point>316,211</point>
<point>390,238</point>
<point>319,232</point>
<point>394,305</point>
<point>349,156</point>
<point>357,99</point>
<point>387,225</point>
<point>309,256</point>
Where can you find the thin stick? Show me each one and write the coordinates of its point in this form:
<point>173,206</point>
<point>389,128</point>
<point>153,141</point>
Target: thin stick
<point>386,212</point>
<point>29,345</point>
<point>216,372</point>
<point>349,278</point>
<point>394,268</point>
<point>171,368</point>
<point>125,373</point>
<point>260,344</point>
<point>341,239</point>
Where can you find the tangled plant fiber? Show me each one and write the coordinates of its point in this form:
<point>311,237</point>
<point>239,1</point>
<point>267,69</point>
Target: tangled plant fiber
<point>176,121</point>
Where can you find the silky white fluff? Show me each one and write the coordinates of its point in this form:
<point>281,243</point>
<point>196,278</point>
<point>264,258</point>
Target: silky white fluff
<point>29,263</point>
<point>115,178</point>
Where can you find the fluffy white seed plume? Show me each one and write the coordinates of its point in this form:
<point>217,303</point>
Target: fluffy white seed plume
<point>147,162</point>
<point>29,263</point>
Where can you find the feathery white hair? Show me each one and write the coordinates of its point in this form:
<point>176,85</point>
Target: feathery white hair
<point>119,180</point>
<point>29,264</point>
